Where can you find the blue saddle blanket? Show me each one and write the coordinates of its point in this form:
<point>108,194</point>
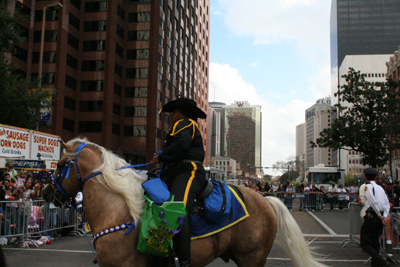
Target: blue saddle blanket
<point>202,228</point>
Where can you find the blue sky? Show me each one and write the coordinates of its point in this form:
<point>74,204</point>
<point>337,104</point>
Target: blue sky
<point>274,54</point>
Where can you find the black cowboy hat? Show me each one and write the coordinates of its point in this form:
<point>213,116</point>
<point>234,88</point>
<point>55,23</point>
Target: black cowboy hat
<point>184,104</point>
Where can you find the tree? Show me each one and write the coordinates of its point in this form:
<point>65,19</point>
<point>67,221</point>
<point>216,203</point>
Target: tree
<point>20,104</point>
<point>267,178</point>
<point>368,121</point>
<point>349,179</point>
<point>290,166</point>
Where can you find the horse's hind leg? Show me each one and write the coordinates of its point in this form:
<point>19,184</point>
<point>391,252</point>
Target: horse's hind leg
<point>253,259</point>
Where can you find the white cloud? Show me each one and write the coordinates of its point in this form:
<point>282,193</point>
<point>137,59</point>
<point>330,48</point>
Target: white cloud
<point>278,122</point>
<point>269,21</point>
<point>254,65</point>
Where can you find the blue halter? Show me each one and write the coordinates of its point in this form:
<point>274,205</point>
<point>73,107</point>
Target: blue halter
<point>56,182</point>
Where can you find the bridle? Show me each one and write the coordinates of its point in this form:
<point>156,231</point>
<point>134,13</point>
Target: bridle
<point>64,174</point>
<point>56,182</point>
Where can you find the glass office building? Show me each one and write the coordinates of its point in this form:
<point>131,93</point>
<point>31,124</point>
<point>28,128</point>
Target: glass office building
<point>367,27</point>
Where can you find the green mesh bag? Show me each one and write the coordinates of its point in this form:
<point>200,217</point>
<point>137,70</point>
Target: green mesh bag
<point>158,225</point>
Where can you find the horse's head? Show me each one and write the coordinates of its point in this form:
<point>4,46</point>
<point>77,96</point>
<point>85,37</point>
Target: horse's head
<point>70,174</point>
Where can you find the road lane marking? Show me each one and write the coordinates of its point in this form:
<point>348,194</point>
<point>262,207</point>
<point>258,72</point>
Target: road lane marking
<point>322,224</point>
<point>320,260</point>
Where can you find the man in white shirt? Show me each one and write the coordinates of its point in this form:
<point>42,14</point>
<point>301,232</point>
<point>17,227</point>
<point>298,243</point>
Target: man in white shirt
<point>376,210</point>
<point>332,196</point>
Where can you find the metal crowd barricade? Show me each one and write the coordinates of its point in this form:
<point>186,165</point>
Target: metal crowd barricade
<point>26,221</point>
<point>355,225</point>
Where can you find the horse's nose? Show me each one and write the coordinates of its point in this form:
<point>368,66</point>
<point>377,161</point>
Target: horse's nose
<point>48,193</point>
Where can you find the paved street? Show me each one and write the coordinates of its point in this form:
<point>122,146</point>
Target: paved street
<point>324,230</point>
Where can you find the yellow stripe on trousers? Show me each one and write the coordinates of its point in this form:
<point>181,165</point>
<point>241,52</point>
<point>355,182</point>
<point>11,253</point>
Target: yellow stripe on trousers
<point>189,184</point>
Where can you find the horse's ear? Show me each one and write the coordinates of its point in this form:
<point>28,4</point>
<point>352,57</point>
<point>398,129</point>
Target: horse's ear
<point>63,145</point>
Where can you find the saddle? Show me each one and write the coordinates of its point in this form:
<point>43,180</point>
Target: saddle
<point>198,207</point>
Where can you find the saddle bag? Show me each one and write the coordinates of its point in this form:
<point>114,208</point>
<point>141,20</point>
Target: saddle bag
<point>157,190</point>
<point>218,203</point>
<point>158,225</point>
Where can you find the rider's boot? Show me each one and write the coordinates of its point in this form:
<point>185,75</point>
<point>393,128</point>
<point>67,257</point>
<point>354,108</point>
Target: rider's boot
<point>182,243</point>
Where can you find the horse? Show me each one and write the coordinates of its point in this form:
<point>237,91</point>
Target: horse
<point>113,196</point>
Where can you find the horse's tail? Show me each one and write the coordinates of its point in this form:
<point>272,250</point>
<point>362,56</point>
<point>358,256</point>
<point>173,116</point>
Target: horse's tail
<point>291,238</point>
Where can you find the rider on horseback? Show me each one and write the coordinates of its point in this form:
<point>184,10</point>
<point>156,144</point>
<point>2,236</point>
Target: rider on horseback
<point>183,156</point>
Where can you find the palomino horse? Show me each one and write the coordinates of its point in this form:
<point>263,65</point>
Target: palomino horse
<point>114,197</point>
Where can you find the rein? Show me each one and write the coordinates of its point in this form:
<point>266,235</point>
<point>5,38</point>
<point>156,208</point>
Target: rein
<point>64,174</point>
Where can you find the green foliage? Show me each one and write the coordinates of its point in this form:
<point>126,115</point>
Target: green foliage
<point>267,178</point>
<point>368,121</point>
<point>20,105</point>
<point>349,179</point>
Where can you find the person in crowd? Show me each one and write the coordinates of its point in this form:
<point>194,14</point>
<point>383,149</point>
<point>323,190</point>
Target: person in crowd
<point>8,189</point>
<point>307,197</point>
<point>290,191</point>
<point>375,216</point>
<point>353,192</point>
<point>281,193</point>
<point>8,178</point>
<point>322,197</point>
<point>24,191</point>
<point>43,176</point>
<point>342,196</point>
<point>11,171</point>
<point>393,193</point>
<point>21,177</point>
<point>267,187</point>
<point>332,196</point>
<point>183,151</point>
<point>263,191</point>
<point>313,197</point>
<point>38,190</point>
<point>301,191</point>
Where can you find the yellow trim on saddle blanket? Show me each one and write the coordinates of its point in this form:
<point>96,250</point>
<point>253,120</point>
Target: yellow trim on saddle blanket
<point>229,225</point>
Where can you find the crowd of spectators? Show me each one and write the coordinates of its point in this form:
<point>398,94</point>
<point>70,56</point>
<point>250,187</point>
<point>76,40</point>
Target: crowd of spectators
<point>16,188</point>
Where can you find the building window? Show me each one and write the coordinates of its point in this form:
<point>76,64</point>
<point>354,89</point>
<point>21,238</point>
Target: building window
<point>158,133</point>
<point>92,86</point>
<point>115,129</point>
<point>74,21</point>
<point>70,82</point>
<point>69,103</point>
<point>51,15</point>
<point>117,89</point>
<point>96,45</point>
<point>139,92</point>
<point>120,32</point>
<point>96,6</point>
<point>72,62</point>
<point>135,130</point>
<point>95,26</point>
<point>68,124</point>
<point>47,78</point>
<point>49,36</point>
<point>90,106</point>
<point>139,17</point>
<point>76,3</point>
<point>133,2</point>
<point>22,54</point>
<point>118,70</point>
<point>73,41</point>
<point>93,65</point>
<point>121,12</point>
<point>119,50</point>
<point>138,35</point>
<point>131,111</point>
<point>137,73</point>
<point>116,109</point>
<point>48,57</point>
<point>133,54</point>
<point>90,126</point>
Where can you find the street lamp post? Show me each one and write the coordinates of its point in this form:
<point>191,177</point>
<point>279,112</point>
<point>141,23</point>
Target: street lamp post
<point>54,6</point>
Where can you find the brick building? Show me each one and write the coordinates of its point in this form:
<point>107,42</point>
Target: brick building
<point>115,64</point>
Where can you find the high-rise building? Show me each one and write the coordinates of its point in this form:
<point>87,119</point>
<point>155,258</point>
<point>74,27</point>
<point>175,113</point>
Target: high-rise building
<point>242,135</point>
<point>216,129</point>
<point>301,146</point>
<point>368,27</point>
<point>115,64</point>
<point>393,72</point>
<point>319,117</point>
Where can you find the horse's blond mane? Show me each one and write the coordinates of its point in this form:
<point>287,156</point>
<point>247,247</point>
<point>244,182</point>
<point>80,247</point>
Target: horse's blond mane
<point>125,182</point>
